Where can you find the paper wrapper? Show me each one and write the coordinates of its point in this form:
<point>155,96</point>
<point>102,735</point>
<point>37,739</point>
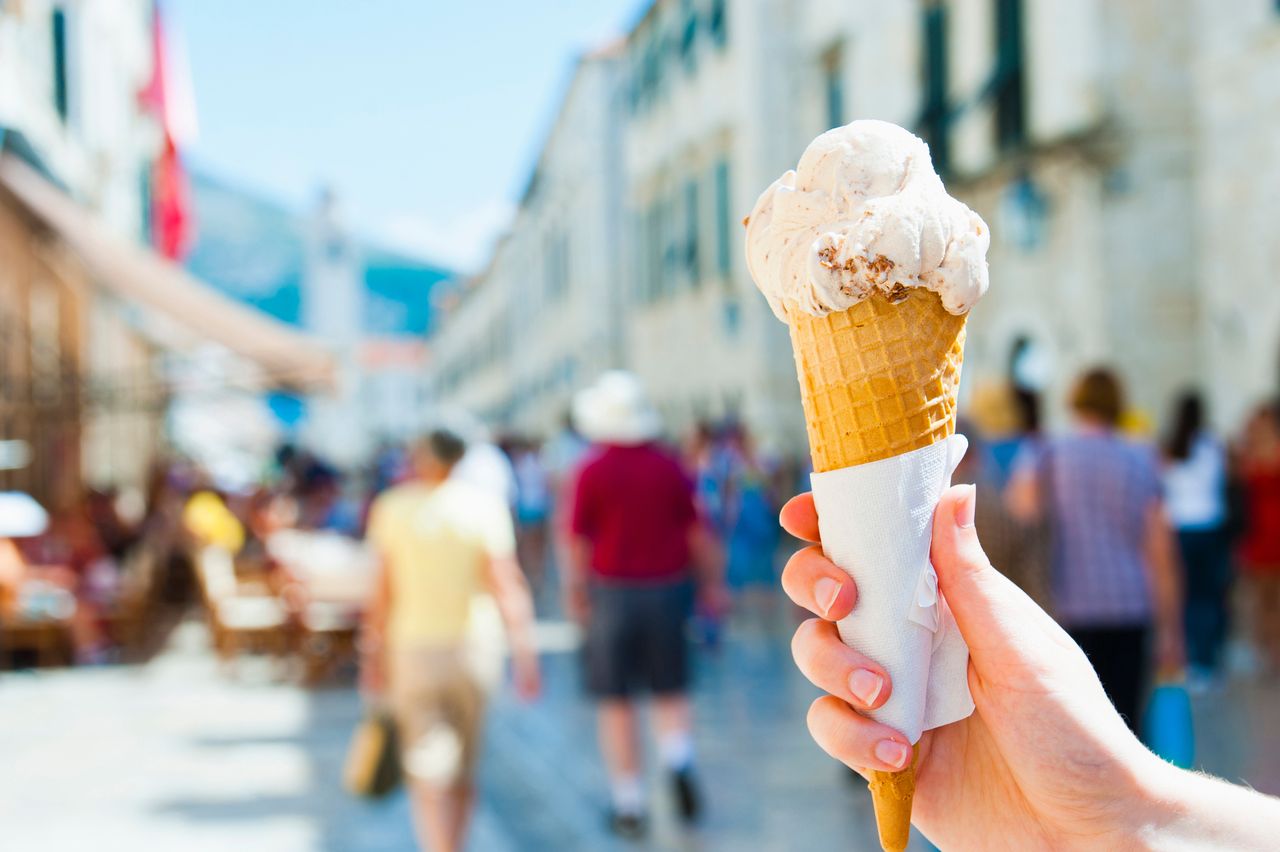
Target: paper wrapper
<point>876,523</point>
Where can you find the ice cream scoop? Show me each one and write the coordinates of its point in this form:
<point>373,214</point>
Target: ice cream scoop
<point>862,212</point>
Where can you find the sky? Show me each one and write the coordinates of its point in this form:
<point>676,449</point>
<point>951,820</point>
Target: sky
<point>425,116</point>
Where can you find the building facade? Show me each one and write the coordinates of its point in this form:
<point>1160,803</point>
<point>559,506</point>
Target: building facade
<point>98,332</point>
<point>1236,78</point>
<point>703,138</point>
<point>70,74</point>
<point>547,313</point>
<point>1122,153</point>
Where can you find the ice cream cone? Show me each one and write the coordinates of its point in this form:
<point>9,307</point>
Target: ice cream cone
<point>878,380</point>
<point>891,794</point>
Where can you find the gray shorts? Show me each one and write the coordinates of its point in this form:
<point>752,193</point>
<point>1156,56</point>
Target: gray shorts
<point>635,638</point>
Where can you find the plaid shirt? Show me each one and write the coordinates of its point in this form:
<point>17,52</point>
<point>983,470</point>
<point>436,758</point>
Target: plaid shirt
<point>1100,488</point>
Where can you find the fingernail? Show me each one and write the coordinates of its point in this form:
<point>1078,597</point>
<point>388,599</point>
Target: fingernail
<point>966,506</point>
<point>865,685</point>
<point>892,754</point>
<point>825,592</point>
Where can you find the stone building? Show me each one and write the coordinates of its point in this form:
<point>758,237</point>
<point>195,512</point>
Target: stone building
<point>1123,154</point>
<point>92,323</point>
<point>1125,158</point>
<point>546,314</point>
<point>640,190</point>
<point>702,139</point>
<point>69,78</point>
<point>1236,81</point>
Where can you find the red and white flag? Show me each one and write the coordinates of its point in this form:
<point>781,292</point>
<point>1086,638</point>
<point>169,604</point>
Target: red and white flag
<point>169,97</point>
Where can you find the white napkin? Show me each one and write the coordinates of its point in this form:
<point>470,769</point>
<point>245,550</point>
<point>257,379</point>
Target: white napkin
<point>876,522</point>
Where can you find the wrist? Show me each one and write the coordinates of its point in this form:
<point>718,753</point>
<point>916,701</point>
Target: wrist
<point>1188,810</point>
<point>369,644</point>
<point>523,647</point>
<point>1160,804</point>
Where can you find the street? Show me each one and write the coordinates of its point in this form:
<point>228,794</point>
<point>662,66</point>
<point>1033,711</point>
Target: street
<point>174,754</point>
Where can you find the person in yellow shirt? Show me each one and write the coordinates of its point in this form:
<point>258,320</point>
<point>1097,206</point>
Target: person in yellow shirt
<point>441,544</point>
<point>207,518</point>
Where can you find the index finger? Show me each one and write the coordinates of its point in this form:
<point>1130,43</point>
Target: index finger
<point>800,518</point>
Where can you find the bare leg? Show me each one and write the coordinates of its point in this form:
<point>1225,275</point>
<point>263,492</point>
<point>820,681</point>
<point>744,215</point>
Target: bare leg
<point>672,715</point>
<point>673,718</point>
<point>440,815</point>
<point>619,737</point>
<point>464,799</point>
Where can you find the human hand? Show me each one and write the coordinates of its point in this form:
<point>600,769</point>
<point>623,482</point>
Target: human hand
<point>373,678</point>
<point>526,675</point>
<point>1044,761</point>
<point>577,600</point>
<point>1170,650</point>
<point>714,599</point>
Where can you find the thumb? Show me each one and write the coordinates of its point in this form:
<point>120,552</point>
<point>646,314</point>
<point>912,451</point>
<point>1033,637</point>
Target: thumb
<point>990,610</point>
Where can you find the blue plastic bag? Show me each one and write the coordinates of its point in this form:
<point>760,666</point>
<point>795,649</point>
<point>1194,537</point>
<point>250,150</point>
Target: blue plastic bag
<point>1168,728</point>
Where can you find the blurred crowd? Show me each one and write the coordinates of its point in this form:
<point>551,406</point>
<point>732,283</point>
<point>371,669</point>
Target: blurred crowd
<point>1159,554</point>
<point>100,578</point>
<point>1155,551</point>
<point>1075,517</point>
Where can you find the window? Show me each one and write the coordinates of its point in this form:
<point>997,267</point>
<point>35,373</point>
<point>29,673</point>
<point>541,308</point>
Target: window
<point>691,249</point>
<point>833,85</point>
<point>651,243</point>
<point>61,98</point>
<point>44,312</point>
<point>933,75</point>
<point>1009,84</point>
<point>654,58</point>
<point>724,219</point>
<point>650,69</point>
<point>668,224</point>
<point>689,36</point>
<point>716,23</point>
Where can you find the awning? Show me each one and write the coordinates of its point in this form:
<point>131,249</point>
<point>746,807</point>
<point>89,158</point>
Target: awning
<point>140,276</point>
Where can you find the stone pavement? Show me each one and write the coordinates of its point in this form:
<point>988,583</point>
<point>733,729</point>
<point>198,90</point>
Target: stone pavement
<point>174,755</point>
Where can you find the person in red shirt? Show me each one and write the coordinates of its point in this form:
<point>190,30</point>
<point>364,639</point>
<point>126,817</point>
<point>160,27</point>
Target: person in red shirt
<point>637,540</point>
<point>1259,471</point>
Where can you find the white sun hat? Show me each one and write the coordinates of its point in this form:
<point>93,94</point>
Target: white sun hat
<point>616,410</point>
<point>21,516</point>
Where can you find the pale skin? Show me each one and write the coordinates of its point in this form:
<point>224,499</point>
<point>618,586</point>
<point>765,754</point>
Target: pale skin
<point>441,813</point>
<point>1045,762</point>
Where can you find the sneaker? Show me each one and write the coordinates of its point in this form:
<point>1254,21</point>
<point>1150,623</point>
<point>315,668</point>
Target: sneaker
<point>627,826</point>
<point>688,800</point>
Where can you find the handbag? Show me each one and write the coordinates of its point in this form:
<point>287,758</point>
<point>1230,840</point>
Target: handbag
<point>1168,728</point>
<point>373,767</point>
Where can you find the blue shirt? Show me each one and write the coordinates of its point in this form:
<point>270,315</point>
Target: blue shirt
<point>1099,489</point>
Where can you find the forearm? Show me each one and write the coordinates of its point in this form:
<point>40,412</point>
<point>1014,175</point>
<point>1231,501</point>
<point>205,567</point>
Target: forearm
<point>708,557</point>
<point>374,623</point>
<point>1188,810</point>
<point>515,605</point>
<point>517,616</point>
<point>578,563</point>
<point>1166,583</point>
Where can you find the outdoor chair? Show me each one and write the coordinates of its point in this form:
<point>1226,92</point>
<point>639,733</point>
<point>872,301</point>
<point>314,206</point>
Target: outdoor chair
<point>239,622</point>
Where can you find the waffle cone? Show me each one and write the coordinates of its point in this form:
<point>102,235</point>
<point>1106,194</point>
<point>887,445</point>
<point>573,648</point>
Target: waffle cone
<point>891,794</point>
<point>879,379</point>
